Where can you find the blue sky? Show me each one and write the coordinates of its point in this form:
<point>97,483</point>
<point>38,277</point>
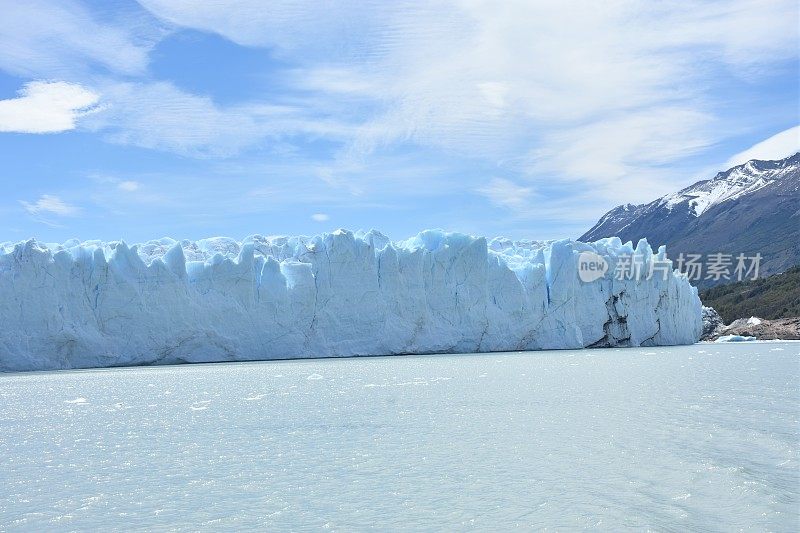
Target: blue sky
<point>193,118</point>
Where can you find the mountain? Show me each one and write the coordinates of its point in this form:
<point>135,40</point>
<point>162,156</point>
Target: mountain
<point>750,208</point>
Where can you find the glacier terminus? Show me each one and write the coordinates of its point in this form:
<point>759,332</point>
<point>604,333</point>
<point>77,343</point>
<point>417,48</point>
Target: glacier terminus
<point>99,304</point>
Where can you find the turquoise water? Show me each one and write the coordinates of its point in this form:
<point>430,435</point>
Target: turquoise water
<point>701,437</point>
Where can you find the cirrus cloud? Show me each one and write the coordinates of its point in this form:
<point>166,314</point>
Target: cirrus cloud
<point>50,204</point>
<point>626,84</point>
<point>505,193</point>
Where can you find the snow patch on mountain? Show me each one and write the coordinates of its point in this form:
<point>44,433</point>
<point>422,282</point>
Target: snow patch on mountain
<point>730,185</point>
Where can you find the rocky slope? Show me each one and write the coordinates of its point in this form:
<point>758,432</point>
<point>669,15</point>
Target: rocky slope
<point>758,328</point>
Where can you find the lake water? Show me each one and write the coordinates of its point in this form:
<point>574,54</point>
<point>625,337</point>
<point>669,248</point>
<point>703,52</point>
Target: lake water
<point>701,437</point>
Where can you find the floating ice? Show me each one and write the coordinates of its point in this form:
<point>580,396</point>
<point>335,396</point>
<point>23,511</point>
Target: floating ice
<point>735,338</point>
<point>77,401</point>
<point>97,304</point>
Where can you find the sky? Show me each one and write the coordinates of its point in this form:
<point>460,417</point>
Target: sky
<point>527,119</point>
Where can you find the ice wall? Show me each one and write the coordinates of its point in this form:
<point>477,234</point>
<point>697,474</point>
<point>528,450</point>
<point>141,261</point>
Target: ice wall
<point>96,304</point>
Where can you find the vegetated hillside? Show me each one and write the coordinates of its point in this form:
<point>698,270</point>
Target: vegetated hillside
<point>776,296</point>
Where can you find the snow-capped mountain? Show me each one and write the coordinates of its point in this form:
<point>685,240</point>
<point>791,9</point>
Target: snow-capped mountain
<point>750,208</point>
<point>733,183</point>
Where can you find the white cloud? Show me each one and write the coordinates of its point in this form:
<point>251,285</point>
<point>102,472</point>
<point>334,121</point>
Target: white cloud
<point>128,186</point>
<point>505,83</point>
<point>601,98</point>
<point>46,107</point>
<point>505,193</point>
<point>320,217</point>
<point>49,204</point>
<point>159,115</point>
<point>619,156</point>
<point>778,146</point>
<point>287,24</point>
<point>60,38</point>
<point>111,184</point>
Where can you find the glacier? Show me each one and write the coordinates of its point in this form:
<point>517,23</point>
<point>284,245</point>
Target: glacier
<point>99,304</point>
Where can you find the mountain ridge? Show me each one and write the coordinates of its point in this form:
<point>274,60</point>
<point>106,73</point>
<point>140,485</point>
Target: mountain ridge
<point>750,208</point>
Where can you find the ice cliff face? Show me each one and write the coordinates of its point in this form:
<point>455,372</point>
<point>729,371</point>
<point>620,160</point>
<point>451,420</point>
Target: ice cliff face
<point>712,323</point>
<point>96,304</point>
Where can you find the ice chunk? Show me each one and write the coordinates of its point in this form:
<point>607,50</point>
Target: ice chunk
<point>735,338</point>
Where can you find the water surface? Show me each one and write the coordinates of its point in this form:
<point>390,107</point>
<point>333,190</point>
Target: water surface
<point>702,437</point>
